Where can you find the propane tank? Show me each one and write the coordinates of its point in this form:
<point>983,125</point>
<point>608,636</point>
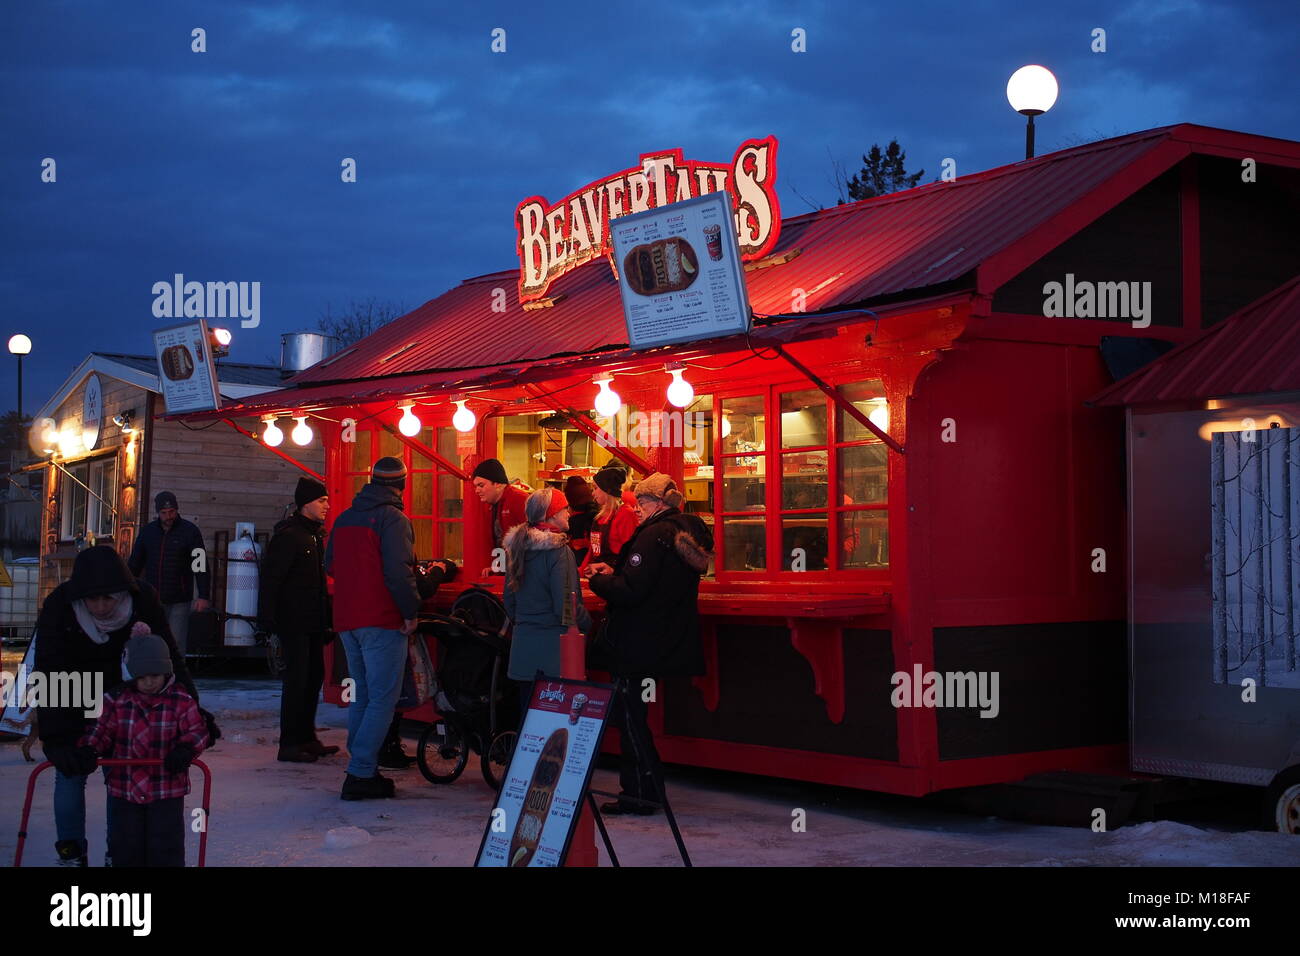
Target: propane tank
<point>242,557</point>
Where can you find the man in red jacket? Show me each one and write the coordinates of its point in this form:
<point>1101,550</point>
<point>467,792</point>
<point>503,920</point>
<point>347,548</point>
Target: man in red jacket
<point>504,499</point>
<point>371,556</point>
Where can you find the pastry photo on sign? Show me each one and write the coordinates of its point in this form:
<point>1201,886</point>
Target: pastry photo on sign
<point>537,801</point>
<point>656,268</point>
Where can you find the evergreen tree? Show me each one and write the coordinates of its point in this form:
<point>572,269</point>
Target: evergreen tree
<point>881,173</point>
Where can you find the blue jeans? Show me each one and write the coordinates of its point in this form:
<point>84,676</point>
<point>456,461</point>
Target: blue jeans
<point>70,808</point>
<point>376,661</point>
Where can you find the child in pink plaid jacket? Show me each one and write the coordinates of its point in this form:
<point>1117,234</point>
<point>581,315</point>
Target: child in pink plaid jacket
<point>150,717</point>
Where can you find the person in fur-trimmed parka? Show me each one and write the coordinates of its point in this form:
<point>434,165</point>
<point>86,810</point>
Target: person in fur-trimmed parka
<point>541,581</point>
<point>653,626</point>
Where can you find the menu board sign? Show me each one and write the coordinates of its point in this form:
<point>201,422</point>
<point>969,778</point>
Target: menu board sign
<point>679,273</point>
<point>186,374</point>
<point>533,819</point>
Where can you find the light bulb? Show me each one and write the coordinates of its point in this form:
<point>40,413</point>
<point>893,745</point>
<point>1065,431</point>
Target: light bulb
<point>409,425</point>
<point>1032,90</point>
<point>272,435</point>
<point>301,434</point>
<point>222,336</point>
<point>680,392</point>
<point>607,401</point>
<point>879,416</point>
<point>726,426</point>
<point>464,419</point>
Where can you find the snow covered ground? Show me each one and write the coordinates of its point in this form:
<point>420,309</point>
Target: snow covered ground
<point>275,814</point>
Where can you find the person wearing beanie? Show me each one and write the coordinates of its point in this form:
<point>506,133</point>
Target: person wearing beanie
<point>151,717</point>
<point>540,588</point>
<point>506,503</point>
<point>83,628</point>
<point>164,556</point>
<point>614,522</point>
<point>293,603</point>
<point>581,513</point>
<point>653,628</point>
<point>371,556</point>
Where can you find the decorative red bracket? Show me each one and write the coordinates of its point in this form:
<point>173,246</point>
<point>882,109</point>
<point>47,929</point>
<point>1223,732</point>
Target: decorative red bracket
<point>589,428</point>
<point>708,684</point>
<point>845,405</point>
<point>821,643</point>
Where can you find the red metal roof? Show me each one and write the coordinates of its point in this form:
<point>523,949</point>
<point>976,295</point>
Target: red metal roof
<point>856,253</point>
<point>973,232</point>
<point>1254,351</point>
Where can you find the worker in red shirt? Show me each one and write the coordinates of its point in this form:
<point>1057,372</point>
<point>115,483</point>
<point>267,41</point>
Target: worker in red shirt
<point>615,523</point>
<point>505,500</point>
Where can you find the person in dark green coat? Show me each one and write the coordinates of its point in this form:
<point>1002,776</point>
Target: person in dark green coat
<point>541,581</point>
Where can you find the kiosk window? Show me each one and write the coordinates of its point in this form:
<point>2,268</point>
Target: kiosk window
<point>829,488</point>
<point>82,511</point>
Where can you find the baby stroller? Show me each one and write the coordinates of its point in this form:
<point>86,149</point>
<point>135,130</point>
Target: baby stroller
<point>477,704</point>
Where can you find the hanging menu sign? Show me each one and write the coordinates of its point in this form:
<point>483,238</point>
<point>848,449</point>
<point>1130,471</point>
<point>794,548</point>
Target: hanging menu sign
<point>186,374</point>
<point>679,273</point>
<point>550,770</point>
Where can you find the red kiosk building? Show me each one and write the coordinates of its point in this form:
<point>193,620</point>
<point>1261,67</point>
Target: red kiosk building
<point>982,535</point>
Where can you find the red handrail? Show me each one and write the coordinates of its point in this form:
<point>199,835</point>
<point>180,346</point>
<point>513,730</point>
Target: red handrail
<point>120,762</point>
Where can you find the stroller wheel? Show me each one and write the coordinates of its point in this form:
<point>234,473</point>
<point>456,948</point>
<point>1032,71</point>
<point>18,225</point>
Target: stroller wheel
<point>443,752</point>
<point>496,758</point>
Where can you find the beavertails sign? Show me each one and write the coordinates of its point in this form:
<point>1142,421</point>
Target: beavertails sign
<point>557,238</point>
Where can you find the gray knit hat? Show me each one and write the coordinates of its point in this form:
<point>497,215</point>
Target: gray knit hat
<point>147,654</point>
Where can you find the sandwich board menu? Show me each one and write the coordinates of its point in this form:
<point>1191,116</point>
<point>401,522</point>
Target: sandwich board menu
<point>186,373</point>
<point>534,815</point>
<point>679,272</point>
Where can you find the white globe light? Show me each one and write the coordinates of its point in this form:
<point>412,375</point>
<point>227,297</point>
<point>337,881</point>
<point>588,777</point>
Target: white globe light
<point>680,392</point>
<point>879,416</point>
<point>726,426</point>
<point>464,419</point>
<point>222,336</point>
<point>607,400</point>
<point>272,436</point>
<point>409,425</point>
<point>302,433</point>
<point>20,344</point>
<point>1032,89</point>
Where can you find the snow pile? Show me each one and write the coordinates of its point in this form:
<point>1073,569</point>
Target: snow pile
<point>345,838</point>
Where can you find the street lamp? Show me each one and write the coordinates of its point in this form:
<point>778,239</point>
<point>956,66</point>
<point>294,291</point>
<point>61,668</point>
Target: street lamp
<point>20,345</point>
<point>1032,91</point>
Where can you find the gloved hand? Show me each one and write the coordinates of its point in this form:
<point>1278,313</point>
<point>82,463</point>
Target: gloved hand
<point>214,732</point>
<point>87,759</point>
<point>179,759</point>
<point>452,570</point>
<point>65,758</point>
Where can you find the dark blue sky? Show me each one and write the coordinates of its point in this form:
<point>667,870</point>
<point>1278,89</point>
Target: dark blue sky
<point>225,165</point>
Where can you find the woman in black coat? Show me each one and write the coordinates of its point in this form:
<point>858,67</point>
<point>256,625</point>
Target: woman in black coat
<point>82,630</point>
<point>653,625</point>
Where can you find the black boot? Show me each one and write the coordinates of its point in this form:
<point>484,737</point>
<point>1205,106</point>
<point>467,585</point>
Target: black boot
<point>367,788</point>
<point>71,853</point>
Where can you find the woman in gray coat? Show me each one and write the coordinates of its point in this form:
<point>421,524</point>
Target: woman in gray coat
<point>541,581</point>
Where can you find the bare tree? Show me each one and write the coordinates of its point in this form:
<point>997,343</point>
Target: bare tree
<point>359,319</point>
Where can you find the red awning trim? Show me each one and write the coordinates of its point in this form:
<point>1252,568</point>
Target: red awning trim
<point>426,451</point>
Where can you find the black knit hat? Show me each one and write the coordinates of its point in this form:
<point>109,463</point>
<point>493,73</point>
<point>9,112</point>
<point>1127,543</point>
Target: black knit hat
<point>492,470</point>
<point>611,479</point>
<point>147,654</point>
<point>164,499</point>
<point>308,490</point>
<point>99,570</point>
<point>388,471</point>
